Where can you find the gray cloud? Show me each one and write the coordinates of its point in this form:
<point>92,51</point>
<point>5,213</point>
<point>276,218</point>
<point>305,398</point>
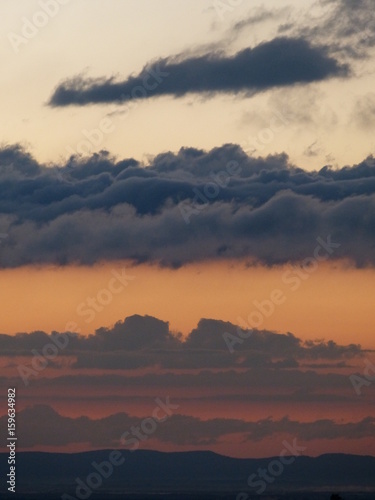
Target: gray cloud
<point>139,342</point>
<point>291,383</point>
<point>40,425</point>
<point>346,26</point>
<point>259,209</point>
<point>276,63</point>
<point>364,111</point>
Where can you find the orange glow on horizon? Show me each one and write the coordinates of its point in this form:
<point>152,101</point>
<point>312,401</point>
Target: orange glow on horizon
<point>333,302</point>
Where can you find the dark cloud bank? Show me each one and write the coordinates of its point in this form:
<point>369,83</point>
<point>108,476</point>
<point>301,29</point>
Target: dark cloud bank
<point>276,63</point>
<point>178,429</point>
<point>265,367</point>
<point>186,207</point>
<point>144,341</point>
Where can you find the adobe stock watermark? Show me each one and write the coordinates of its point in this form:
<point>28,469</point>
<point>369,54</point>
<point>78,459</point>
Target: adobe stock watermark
<point>222,7</point>
<point>367,379</point>
<point>3,236</point>
<point>94,480</point>
<point>267,134</point>
<point>220,180</point>
<point>209,192</point>
<point>148,425</point>
<point>41,360</point>
<point>104,470</point>
<point>93,305</point>
<point>31,27</point>
<point>59,341</point>
<point>292,277</point>
<point>266,476</point>
<point>317,11</point>
<point>95,137</point>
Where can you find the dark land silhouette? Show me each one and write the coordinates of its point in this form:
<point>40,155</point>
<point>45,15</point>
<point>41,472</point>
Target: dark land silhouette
<point>185,475</point>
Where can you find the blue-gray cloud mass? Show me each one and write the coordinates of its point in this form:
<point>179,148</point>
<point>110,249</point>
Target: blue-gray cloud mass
<point>277,63</point>
<point>183,207</point>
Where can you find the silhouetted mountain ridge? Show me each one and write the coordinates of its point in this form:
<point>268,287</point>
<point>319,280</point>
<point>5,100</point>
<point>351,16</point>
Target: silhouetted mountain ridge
<point>200,471</point>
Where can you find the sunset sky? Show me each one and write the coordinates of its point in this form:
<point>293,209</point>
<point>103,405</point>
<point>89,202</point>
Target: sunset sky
<point>174,175</point>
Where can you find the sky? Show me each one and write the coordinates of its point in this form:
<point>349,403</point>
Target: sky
<point>187,214</point>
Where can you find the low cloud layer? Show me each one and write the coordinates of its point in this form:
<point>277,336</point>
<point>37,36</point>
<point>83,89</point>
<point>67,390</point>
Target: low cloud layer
<point>277,63</point>
<point>187,207</point>
<point>125,368</point>
<point>178,429</point>
<point>144,342</point>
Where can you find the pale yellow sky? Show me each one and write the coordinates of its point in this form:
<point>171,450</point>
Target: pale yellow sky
<point>118,37</point>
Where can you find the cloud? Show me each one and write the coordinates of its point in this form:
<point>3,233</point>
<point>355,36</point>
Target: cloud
<point>347,27</point>
<point>40,425</point>
<point>259,16</point>
<point>353,22</point>
<point>263,382</point>
<point>144,341</point>
<point>187,207</point>
<point>364,111</point>
<point>277,63</point>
